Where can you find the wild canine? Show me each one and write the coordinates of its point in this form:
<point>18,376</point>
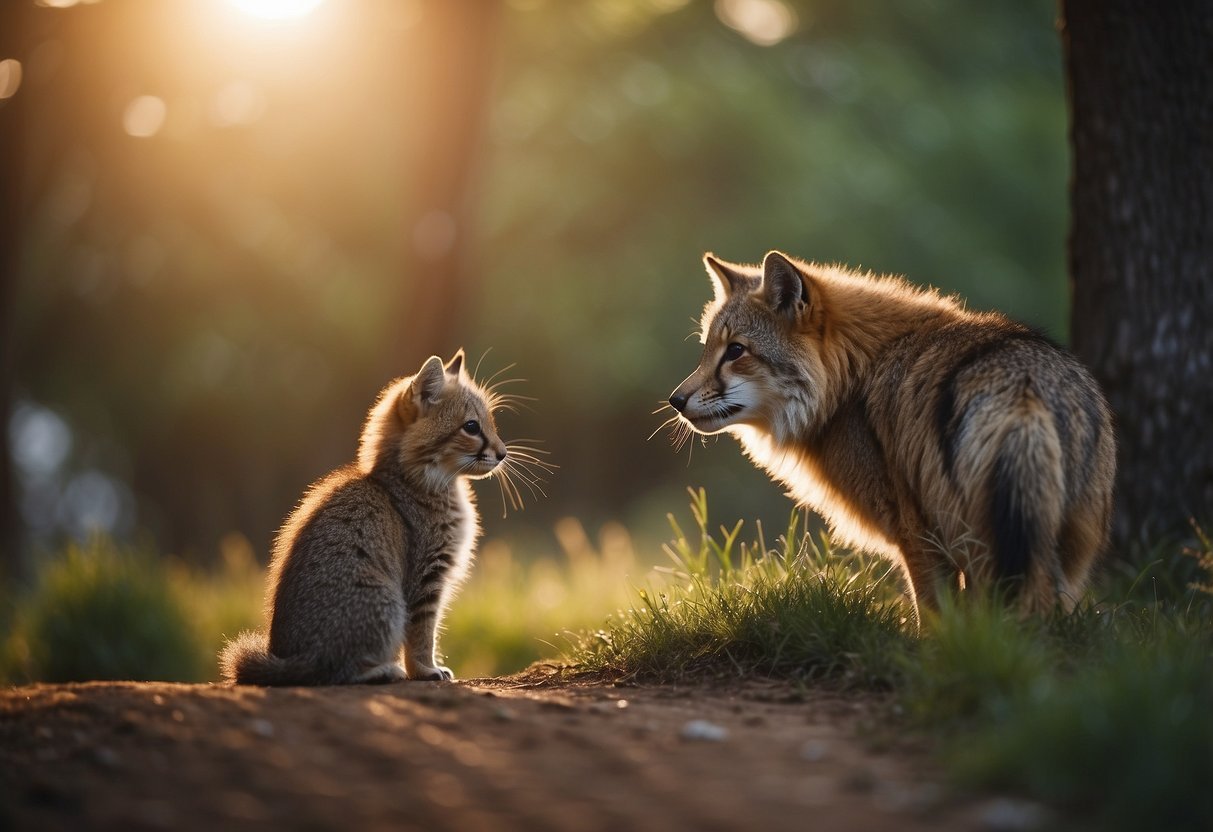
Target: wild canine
<point>966,447</point>
<point>368,561</point>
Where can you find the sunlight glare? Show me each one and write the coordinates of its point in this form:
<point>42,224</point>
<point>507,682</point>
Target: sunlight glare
<point>762,22</point>
<point>10,77</point>
<point>64,4</point>
<point>144,116</point>
<point>277,9</point>
<point>239,102</point>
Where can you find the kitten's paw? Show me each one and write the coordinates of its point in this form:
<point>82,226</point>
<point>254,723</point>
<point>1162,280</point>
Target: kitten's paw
<point>432,674</point>
<point>382,674</point>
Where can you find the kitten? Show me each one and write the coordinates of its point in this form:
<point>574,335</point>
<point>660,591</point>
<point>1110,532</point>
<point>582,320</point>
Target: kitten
<point>368,561</point>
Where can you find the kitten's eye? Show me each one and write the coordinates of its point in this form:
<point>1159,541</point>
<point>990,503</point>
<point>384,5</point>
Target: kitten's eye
<point>471,428</point>
<point>733,351</point>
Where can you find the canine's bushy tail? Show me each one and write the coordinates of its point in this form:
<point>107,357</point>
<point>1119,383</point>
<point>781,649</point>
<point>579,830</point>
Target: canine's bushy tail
<point>1027,495</point>
<point>247,660</point>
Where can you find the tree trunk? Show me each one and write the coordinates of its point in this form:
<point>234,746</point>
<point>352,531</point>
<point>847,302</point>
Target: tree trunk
<point>13,26</point>
<point>1141,247</point>
<point>453,64</point>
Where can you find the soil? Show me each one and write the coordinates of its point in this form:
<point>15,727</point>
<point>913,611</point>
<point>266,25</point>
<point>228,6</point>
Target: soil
<point>515,753</point>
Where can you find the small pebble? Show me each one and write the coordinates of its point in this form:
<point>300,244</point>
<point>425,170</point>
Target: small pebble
<point>1006,815</point>
<point>106,757</point>
<point>815,751</point>
<point>262,727</point>
<point>859,780</point>
<point>704,731</point>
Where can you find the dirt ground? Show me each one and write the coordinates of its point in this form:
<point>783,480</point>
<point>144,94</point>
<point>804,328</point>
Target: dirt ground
<point>514,753</point>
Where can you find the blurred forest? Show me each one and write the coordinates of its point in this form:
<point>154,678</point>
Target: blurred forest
<point>233,232</point>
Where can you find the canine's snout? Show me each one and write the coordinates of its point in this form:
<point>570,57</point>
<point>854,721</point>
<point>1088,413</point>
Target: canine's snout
<point>678,401</point>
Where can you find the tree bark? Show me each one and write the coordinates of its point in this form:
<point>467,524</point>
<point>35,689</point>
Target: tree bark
<point>13,26</point>
<point>1141,247</point>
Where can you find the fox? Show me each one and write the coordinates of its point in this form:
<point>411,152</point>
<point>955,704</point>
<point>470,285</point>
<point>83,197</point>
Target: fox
<point>364,568</point>
<point>967,448</point>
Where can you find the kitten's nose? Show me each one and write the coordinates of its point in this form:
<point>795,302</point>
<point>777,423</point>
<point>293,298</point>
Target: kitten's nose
<point>678,401</point>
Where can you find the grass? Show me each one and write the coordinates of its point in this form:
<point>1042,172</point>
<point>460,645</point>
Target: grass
<point>1105,713</point>
<point>100,612</point>
<point>514,611</point>
<point>727,608</point>
<point>1124,741</point>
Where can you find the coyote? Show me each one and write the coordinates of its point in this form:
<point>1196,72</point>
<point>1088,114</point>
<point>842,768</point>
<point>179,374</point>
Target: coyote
<point>966,447</point>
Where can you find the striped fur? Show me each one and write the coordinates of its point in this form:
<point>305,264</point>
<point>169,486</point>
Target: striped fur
<point>966,447</point>
<point>363,568</point>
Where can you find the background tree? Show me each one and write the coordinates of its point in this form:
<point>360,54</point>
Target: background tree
<point>13,171</point>
<point>1141,246</point>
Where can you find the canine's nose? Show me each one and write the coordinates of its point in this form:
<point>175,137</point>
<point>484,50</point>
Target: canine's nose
<point>678,401</point>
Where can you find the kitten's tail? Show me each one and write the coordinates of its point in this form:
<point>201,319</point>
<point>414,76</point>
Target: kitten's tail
<point>247,660</point>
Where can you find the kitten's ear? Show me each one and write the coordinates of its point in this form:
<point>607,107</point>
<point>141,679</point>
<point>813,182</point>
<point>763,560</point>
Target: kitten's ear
<point>786,289</point>
<point>428,383</point>
<point>727,277</point>
<point>455,364</point>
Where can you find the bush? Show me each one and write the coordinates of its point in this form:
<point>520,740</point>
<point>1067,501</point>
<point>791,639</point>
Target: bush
<point>219,603</point>
<point>99,612</point>
<point>1124,741</point>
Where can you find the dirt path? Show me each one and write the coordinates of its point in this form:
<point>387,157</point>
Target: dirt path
<point>479,755</point>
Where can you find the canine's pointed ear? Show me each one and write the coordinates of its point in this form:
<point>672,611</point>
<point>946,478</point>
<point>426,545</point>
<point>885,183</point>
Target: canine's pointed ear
<point>784,286</point>
<point>455,364</point>
<point>726,277</point>
<point>428,383</point>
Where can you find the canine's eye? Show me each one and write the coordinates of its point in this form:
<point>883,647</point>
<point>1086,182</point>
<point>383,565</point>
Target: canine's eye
<point>733,351</point>
<point>471,428</point>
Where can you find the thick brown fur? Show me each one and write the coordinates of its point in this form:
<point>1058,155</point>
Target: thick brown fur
<point>966,447</point>
<point>364,567</point>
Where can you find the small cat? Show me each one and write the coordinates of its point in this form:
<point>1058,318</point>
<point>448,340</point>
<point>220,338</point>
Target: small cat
<point>368,561</point>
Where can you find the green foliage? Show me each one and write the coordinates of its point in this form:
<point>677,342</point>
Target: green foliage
<point>99,612</point>
<point>974,662</point>
<point>1106,711</point>
<point>220,602</point>
<point>1152,574</point>
<point>1125,740</point>
<point>730,609</point>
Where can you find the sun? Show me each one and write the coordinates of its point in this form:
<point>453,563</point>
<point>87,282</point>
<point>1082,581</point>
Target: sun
<point>277,9</point>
